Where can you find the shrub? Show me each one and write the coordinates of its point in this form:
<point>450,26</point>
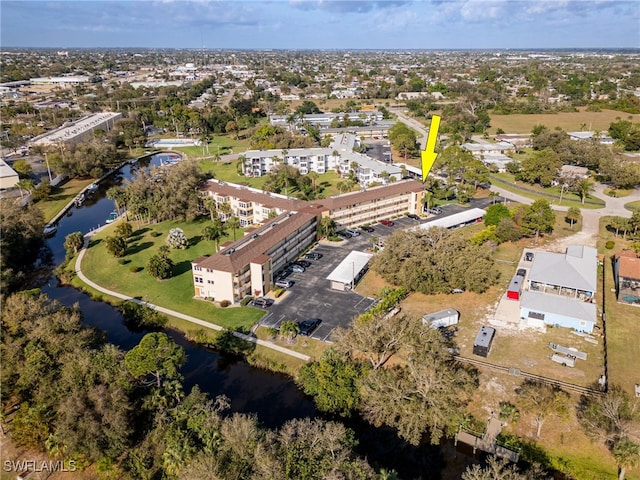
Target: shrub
<point>123,261</point>
<point>609,245</point>
<point>135,269</point>
<point>225,303</point>
<point>155,234</point>
<point>245,301</point>
<point>177,238</point>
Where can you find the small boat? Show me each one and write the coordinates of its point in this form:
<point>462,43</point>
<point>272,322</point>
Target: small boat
<point>112,217</point>
<point>92,188</point>
<point>79,200</point>
<point>49,230</point>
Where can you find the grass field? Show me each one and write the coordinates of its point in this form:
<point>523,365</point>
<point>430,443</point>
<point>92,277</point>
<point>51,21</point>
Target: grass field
<point>175,293</point>
<point>567,121</point>
<point>552,194</point>
<point>633,206</point>
<point>61,197</point>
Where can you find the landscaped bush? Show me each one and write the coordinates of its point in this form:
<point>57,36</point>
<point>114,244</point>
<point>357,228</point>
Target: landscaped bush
<point>155,234</point>
<point>609,245</point>
<point>123,261</point>
<point>225,303</point>
<point>245,301</point>
<point>135,269</point>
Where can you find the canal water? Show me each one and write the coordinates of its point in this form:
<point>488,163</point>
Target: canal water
<point>273,397</point>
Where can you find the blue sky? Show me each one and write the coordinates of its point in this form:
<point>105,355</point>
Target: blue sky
<point>321,24</point>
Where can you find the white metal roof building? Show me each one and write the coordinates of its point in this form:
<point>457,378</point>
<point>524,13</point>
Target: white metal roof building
<point>576,269</point>
<point>456,220</point>
<point>540,308</point>
<point>350,270</point>
<point>79,129</point>
<point>8,176</point>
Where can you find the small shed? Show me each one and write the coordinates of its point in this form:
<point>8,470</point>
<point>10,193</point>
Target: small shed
<point>483,341</point>
<point>349,271</point>
<point>441,319</point>
<point>515,288</point>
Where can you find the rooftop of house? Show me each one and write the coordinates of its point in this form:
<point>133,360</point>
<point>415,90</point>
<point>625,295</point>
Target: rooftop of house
<point>628,264</point>
<point>576,268</point>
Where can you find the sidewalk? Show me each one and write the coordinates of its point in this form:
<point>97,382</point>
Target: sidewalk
<point>173,313</point>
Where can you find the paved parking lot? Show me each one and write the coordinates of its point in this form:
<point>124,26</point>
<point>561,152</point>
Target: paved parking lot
<point>311,296</point>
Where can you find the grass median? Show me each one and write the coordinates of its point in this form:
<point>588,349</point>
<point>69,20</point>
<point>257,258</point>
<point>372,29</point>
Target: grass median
<point>175,293</point>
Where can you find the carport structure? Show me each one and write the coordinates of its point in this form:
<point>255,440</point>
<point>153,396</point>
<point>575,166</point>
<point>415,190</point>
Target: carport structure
<point>349,271</point>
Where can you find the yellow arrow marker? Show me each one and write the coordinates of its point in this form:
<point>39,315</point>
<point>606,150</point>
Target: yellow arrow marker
<point>428,154</point>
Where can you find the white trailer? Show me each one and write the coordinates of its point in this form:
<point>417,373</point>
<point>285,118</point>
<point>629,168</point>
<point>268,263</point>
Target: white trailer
<point>441,319</point>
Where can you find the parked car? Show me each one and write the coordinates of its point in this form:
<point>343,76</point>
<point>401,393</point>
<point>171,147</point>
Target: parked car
<point>435,211</point>
<point>309,325</point>
<point>521,272</point>
<point>297,268</point>
<point>457,290</point>
<point>528,256</point>
<point>413,216</point>
<point>353,233</point>
<point>344,234</point>
<point>387,223</point>
<point>282,283</point>
<point>313,256</point>
<point>261,302</point>
<point>303,263</point>
<point>367,229</point>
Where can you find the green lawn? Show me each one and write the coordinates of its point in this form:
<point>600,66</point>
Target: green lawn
<point>552,194</point>
<point>633,205</point>
<point>62,196</point>
<point>175,293</point>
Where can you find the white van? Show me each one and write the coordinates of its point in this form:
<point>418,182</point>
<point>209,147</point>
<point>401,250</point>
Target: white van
<point>354,233</point>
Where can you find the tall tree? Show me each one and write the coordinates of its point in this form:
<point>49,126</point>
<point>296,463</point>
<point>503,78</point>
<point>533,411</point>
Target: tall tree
<point>627,455</point>
<point>573,215</point>
<point>155,359</point>
<point>538,218</point>
<point>542,401</point>
<point>233,223</point>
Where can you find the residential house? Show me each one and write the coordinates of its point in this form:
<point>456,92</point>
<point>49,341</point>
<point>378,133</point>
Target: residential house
<point>626,270</point>
<point>561,289</point>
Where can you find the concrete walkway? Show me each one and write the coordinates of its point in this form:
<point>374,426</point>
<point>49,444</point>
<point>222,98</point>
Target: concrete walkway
<point>173,313</point>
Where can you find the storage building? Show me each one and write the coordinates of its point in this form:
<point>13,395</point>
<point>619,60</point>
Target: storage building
<point>482,343</point>
<point>441,319</point>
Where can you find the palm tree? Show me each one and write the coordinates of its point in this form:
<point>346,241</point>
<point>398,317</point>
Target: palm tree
<point>426,201</point>
<point>214,232</point>
<point>233,223</point>
<point>583,188</point>
<point>289,329</point>
<point>313,176</point>
<point>26,184</point>
<point>573,215</point>
<point>225,210</point>
<point>627,455</point>
<point>210,205</point>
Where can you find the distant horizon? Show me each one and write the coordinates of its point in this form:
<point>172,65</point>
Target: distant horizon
<point>256,49</point>
<point>322,24</point>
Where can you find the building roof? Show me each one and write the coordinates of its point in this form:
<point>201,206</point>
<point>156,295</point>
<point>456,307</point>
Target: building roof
<point>362,196</point>
<point>559,305</point>
<point>253,248</point>
<point>252,195</point>
<point>347,270</point>
<point>484,337</point>
<point>628,265</point>
<point>577,268</point>
<point>452,220</point>
<point>6,170</point>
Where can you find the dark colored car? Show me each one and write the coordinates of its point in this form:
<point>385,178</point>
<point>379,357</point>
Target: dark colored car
<point>343,234</point>
<point>521,272</point>
<point>313,256</point>
<point>413,216</point>
<point>309,325</point>
<point>367,229</point>
<point>387,223</point>
<point>261,302</point>
<point>303,263</point>
<point>528,256</point>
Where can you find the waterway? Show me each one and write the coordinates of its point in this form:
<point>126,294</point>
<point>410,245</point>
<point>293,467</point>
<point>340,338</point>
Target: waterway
<point>273,397</point>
